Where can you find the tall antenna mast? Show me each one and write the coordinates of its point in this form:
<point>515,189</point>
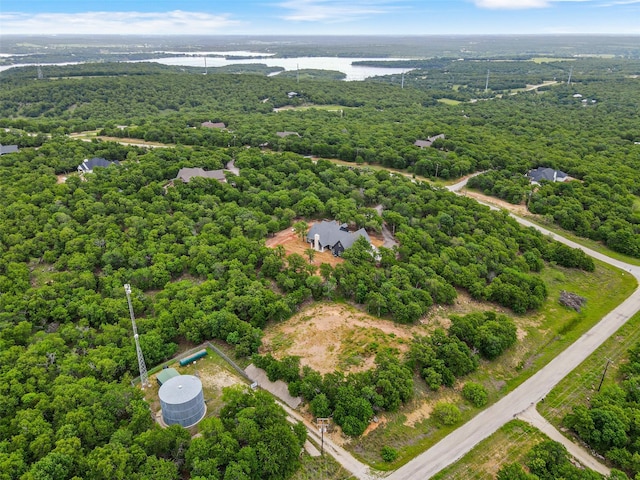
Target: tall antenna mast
<point>486,85</point>
<point>205,64</point>
<point>402,83</point>
<point>569,80</point>
<point>297,73</point>
<point>40,76</point>
<point>144,378</point>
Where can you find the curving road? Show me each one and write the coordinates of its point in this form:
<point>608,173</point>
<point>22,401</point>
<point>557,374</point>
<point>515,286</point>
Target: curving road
<point>461,441</point>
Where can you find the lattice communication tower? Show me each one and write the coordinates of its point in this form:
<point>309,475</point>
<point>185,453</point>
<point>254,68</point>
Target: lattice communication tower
<point>144,377</point>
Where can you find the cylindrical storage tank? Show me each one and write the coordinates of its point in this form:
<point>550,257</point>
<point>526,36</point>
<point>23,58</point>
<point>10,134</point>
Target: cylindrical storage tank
<point>193,358</point>
<point>182,400</point>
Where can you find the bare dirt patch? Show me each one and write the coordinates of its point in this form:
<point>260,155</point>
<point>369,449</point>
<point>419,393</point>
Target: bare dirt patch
<point>329,337</point>
<point>61,178</point>
<point>422,412</point>
<point>373,425</point>
<point>294,244</point>
<point>519,209</point>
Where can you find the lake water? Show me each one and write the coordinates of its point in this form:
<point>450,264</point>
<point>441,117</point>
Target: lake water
<point>341,64</point>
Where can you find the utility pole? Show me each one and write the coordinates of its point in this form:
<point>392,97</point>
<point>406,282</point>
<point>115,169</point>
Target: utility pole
<point>604,373</point>
<point>323,424</point>
<point>437,166</point>
<point>144,377</point>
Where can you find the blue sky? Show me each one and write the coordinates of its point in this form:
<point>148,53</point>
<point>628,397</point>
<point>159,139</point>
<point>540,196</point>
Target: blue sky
<point>319,17</point>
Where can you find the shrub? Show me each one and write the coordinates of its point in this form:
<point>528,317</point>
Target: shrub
<point>475,393</point>
<point>388,454</point>
<point>447,413</point>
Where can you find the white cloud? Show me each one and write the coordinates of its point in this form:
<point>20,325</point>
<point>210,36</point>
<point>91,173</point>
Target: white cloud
<point>332,10</point>
<point>176,22</point>
<point>518,4</point>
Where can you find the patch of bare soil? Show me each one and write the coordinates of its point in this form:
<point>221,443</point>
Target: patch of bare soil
<point>422,412</point>
<point>329,337</point>
<point>373,425</point>
<point>61,178</point>
<point>424,407</point>
<point>294,244</point>
<point>519,209</point>
<point>218,379</point>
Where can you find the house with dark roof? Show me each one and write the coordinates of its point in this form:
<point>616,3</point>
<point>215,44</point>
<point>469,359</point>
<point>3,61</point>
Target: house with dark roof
<point>539,174</point>
<point>88,165</point>
<point>330,235</point>
<point>428,142</point>
<point>187,173</point>
<point>4,149</point>
<point>286,134</point>
<point>219,125</point>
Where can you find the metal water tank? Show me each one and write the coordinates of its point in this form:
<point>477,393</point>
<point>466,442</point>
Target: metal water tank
<point>182,400</point>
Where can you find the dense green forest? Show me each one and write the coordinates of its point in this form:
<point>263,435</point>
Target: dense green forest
<point>198,252</point>
<point>196,258</point>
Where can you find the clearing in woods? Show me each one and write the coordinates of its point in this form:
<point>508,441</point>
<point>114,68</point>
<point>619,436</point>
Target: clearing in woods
<point>214,373</point>
<point>294,244</point>
<point>336,336</point>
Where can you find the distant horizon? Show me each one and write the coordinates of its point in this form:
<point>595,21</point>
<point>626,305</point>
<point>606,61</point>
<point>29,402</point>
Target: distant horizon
<point>356,35</point>
<point>322,17</point>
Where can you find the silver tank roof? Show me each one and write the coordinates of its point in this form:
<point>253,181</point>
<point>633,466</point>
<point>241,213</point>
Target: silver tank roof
<point>179,390</point>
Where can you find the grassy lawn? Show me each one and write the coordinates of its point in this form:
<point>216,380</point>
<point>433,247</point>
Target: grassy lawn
<point>551,59</point>
<point>583,382</point>
<point>508,445</point>
<point>329,108</point>
<point>542,335</point>
<point>449,101</point>
<point>320,468</point>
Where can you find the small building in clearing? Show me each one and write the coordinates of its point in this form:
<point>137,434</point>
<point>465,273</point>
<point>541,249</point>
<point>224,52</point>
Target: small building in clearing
<point>330,235</point>
<point>428,142</point>
<point>4,149</point>
<point>186,174</point>
<point>286,134</point>
<point>165,374</point>
<point>539,174</point>
<point>219,125</point>
<point>88,165</point>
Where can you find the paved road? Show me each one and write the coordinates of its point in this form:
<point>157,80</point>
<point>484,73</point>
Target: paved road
<point>461,441</point>
<point>531,416</point>
<point>344,458</point>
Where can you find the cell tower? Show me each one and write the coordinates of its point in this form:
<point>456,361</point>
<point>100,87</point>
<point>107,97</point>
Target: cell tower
<point>486,85</point>
<point>144,378</point>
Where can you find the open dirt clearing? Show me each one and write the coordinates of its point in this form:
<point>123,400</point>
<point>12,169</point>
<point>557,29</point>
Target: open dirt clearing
<point>331,336</point>
<point>336,336</point>
<point>517,209</point>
